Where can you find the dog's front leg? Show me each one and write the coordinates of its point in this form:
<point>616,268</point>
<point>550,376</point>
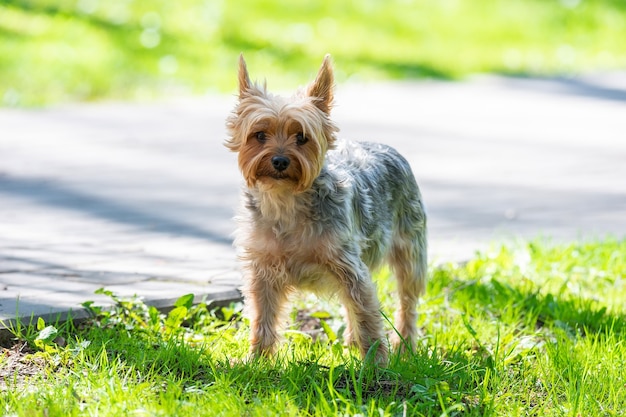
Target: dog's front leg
<point>265,300</point>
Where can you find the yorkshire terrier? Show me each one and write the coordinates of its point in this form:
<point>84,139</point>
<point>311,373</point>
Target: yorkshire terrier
<point>320,214</point>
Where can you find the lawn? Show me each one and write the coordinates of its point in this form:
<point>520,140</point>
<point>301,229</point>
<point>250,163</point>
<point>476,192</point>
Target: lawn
<point>55,51</point>
<point>532,329</point>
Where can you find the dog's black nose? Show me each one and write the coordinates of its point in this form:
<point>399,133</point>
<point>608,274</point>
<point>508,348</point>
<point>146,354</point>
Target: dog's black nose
<point>280,163</point>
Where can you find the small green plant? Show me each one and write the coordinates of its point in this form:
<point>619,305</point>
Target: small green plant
<point>46,336</point>
<point>132,314</point>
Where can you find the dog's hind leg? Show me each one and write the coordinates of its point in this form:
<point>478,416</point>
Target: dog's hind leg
<point>408,261</point>
<point>358,295</point>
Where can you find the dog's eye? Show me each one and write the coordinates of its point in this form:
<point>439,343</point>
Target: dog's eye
<point>260,136</point>
<point>301,139</point>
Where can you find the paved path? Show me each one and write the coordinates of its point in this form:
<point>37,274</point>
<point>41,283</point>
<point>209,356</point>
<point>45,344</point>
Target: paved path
<point>138,198</point>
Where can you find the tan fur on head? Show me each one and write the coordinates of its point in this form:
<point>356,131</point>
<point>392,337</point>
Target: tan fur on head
<point>281,120</point>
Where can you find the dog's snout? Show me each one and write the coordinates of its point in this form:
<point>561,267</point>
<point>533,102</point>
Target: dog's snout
<point>280,163</point>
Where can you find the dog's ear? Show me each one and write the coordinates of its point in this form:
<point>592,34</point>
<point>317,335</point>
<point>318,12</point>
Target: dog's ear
<point>244,78</point>
<point>322,88</point>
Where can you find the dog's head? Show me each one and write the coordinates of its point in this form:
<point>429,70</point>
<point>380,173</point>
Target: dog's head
<point>282,142</point>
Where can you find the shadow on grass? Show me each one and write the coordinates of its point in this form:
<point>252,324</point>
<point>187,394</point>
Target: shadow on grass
<point>53,10</point>
<point>418,382</point>
<point>402,70</point>
<point>297,56</point>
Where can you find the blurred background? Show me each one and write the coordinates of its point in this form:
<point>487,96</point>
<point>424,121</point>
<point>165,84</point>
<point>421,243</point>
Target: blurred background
<point>56,51</point>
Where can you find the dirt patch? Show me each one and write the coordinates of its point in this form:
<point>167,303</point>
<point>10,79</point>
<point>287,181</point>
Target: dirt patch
<point>17,364</point>
<point>309,324</point>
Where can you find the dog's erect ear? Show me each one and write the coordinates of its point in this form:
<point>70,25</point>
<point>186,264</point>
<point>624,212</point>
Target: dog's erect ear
<point>322,87</point>
<point>244,78</point>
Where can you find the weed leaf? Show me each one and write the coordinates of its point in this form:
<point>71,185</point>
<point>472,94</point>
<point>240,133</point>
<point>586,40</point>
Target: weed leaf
<point>175,318</point>
<point>332,337</point>
<point>47,334</point>
<point>185,301</point>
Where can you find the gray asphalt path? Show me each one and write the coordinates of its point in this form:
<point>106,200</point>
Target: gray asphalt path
<point>138,198</point>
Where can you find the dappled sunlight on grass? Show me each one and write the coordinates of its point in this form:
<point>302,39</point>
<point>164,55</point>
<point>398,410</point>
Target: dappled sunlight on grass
<point>55,51</point>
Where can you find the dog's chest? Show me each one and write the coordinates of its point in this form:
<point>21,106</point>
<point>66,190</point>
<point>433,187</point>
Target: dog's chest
<point>301,255</point>
<point>299,237</point>
<point>298,240</point>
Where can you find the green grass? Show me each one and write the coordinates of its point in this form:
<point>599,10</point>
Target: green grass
<point>67,50</point>
<point>535,329</point>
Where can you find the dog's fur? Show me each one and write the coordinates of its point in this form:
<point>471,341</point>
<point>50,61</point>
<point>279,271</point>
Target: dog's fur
<point>319,214</point>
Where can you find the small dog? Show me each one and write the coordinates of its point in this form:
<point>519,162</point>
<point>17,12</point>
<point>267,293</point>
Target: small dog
<point>319,214</point>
